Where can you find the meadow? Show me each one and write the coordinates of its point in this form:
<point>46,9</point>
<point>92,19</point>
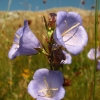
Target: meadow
<point>16,74</point>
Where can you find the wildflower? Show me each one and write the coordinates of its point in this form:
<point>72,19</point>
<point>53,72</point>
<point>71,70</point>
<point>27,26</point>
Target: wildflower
<point>46,85</point>
<point>68,59</point>
<point>25,42</point>
<point>26,74</point>
<point>91,55</point>
<point>69,32</point>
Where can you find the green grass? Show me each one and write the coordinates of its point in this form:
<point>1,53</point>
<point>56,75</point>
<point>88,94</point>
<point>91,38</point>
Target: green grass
<point>96,39</point>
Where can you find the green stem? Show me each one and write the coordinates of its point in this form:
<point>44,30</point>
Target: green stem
<point>96,31</point>
<point>9,4</point>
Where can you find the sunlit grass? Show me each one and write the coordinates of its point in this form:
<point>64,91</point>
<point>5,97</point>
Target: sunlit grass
<point>16,74</point>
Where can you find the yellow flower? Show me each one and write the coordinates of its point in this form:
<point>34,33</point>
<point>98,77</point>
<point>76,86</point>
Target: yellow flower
<point>25,74</point>
<point>10,82</point>
<point>26,70</point>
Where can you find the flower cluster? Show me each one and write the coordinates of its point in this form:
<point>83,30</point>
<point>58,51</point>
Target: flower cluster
<point>65,36</point>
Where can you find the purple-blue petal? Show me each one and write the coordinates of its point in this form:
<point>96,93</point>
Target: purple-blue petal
<point>40,73</point>
<point>72,19</point>
<point>51,76</point>
<point>28,39</point>
<point>33,89</point>
<point>68,59</point>
<point>91,53</point>
<point>66,20</point>
<point>58,37</point>
<point>43,98</point>
<point>26,51</point>
<point>12,51</point>
<point>19,33</point>
<point>25,23</point>
<point>60,94</point>
<point>75,40</point>
<point>54,79</point>
<point>98,65</point>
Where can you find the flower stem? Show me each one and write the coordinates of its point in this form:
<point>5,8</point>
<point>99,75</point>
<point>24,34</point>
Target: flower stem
<point>96,31</point>
<point>9,4</point>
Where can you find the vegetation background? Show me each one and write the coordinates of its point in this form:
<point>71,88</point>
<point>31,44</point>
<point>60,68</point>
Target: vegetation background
<point>16,74</point>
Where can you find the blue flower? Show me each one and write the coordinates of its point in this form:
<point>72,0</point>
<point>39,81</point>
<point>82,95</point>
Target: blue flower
<point>69,32</point>
<point>25,42</point>
<point>47,85</point>
<point>91,55</point>
<point>98,65</point>
<point>68,58</point>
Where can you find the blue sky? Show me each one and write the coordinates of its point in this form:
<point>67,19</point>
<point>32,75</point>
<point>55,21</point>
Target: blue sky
<point>38,4</point>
